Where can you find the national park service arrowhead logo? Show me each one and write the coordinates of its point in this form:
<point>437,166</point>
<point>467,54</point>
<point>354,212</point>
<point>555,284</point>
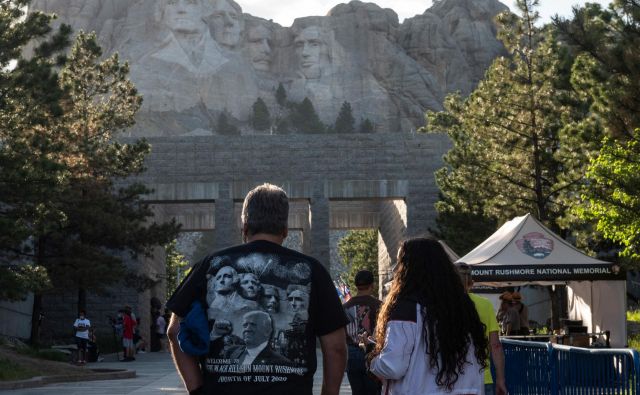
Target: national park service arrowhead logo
<point>535,245</point>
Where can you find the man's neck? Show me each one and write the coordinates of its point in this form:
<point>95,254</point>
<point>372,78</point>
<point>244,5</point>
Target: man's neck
<point>366,292</point>
<point>278,239</point>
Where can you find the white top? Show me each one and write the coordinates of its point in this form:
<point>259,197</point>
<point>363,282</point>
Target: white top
<point>82,328</point>
<point>161,325</point>
<point>404,364</point>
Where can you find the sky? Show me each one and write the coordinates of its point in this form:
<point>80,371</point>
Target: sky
<point>285,11</point>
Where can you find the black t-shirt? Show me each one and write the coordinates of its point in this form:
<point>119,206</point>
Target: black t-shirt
<point>266,304</point>
<point>362,312</point>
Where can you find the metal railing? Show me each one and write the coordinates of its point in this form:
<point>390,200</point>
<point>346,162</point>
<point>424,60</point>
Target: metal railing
<point>534,368</point>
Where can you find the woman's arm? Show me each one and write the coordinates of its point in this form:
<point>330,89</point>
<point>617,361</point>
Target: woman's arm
<point>393,361</point>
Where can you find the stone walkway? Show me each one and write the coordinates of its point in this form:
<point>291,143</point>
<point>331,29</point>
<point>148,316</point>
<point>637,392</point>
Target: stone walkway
<point>155,375</point>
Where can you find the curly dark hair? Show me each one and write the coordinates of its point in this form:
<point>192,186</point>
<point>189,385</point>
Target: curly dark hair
<point>450,321</point>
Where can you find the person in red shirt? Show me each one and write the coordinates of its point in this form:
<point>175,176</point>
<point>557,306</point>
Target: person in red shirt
<point>129,324</point>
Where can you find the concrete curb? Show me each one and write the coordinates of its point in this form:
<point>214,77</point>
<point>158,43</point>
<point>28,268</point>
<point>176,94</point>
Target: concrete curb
<point>40,381</point>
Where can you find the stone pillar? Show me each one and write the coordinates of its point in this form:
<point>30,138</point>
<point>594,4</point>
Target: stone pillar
<point>393,229</point>
<point>225,223</point>
<point>317,238</point>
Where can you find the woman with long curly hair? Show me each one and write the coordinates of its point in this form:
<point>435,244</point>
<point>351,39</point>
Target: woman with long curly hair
<point>430,338</point>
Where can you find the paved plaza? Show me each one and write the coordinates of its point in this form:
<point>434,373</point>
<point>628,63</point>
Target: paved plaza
<point>155,375</point>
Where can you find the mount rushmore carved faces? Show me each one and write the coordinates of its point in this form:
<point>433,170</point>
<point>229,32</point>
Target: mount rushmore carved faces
<point>313,52</point>
<point>227,23</point>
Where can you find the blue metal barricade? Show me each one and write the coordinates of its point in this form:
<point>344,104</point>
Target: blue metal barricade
<point>527,367</point>
<point>583,371</point>
<point>533,368</point>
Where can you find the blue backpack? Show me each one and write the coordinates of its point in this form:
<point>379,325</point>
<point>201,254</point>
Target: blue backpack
<point>193,337</point>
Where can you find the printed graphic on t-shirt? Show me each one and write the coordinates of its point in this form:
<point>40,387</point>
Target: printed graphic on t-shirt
<point>258,308</point>
<point>359,321</point>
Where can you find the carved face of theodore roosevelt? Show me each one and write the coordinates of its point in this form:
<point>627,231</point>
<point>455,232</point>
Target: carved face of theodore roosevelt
<point>259,46</point>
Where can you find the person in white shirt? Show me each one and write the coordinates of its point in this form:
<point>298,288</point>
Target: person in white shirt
<point>430,338</point>
<point>161,330</point>
<point>81,327</point>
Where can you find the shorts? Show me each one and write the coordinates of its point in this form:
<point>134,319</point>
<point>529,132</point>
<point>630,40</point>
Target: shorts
<point>127,343</point>
<point>82,343</point>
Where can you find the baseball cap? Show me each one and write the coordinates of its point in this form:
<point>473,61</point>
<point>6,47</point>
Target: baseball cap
<point>363,277</point>
<point>506,296</point>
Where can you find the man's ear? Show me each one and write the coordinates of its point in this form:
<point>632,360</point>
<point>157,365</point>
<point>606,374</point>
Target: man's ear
<point>285,233</point>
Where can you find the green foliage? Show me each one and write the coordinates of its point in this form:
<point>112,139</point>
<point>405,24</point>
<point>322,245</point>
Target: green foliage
<point>606,71</point>
<point>17,280</point>
<point>63,219</point>
<point>176,265</point>
<point>304,119</point>
<point>99,219</point>
<point>633,316</point>
<point>359,251</point>
<point>345,123</point>
<point>29,104</point>
<point>224,126</point>
<point>508,136</point>
<point>281,95</point>
<point>261,118</point>
<point>366,126</point>
<point>614,196</point>
<point>463,230</point>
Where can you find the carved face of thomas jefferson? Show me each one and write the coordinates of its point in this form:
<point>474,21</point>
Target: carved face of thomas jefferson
<point>226,21</point>
<point>185,16</point>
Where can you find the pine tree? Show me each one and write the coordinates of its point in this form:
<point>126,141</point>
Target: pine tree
<point>508,138</point>
<point>75,223</point>
<point>345,123</point>
<point>29,103</point>
<point>366,126</point>
<point>261,118</point>
<point>103,224</point>
<point>606,71</point>
<point>304,118</point>
<point>225,127</point>
<point>281,95</point>
<point>507,134</point>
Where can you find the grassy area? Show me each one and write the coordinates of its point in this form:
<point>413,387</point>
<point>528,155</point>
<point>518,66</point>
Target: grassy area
<point>633,316</point>
<point>50,355</point>
<point>11,371</point>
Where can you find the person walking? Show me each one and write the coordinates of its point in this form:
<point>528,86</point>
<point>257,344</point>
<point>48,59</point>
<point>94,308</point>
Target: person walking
<point>488,318</point>
<point>82,325</point>
<point>161,332</point>
<point>254,349</point>
<point>128,327</point>
<point>523,313</point>
<point>362,311</point>
<point>430,339</point>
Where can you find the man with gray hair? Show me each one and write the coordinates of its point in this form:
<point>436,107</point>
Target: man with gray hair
<point>259,365</point>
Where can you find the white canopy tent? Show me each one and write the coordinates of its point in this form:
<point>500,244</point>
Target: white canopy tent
<point>523,251</point>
